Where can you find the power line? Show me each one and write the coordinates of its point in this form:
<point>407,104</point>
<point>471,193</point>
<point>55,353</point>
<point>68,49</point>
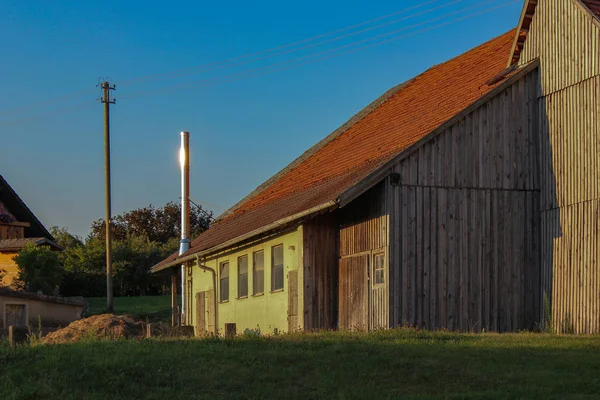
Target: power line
<point>41,104</point>
<point>253,57</point>
<point>310,39</point>
<point>311,58</point>
<point>79,106</point>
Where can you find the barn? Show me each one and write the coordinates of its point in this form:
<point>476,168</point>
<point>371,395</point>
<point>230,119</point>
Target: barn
<point>466,198</point>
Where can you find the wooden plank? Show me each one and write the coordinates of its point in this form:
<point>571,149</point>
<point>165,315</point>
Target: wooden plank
<point>426,260</point>
<point>200,313</point>
<point>293,301</point>
<point>442,259</point>
<point>419,257</point>
<point>433,260</point>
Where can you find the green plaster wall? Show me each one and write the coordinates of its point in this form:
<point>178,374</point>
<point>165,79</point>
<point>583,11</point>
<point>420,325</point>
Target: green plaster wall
<point>266,312</point>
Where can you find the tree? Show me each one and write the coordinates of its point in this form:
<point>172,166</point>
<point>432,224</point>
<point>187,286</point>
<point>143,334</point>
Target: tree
<point>157,224</point>
<point>141,238</point>
<point>39,269</point>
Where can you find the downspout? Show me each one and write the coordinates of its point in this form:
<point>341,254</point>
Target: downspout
<point>184,243</point>
<point>215,304</point>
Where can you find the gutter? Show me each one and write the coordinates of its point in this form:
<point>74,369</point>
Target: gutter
<point>325,206</point>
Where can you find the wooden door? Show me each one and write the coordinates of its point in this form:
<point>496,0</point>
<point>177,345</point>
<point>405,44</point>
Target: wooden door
<point>200,313</point>
<point>293,301</point>
<point>354,292</point>
<point>15,315</point>
<point>210,311</point>
<point>378,300</point>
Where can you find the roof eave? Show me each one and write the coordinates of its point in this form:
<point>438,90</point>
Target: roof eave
<point>327,206</point>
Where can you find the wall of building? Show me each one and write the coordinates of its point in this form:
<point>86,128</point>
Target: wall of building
<point>464,221</point>
<point>566,39</point>
<point>320,261</point>
<point>363,238</point>
<point>50,314</point>
<point>267,312</point>
<point>7,264</point>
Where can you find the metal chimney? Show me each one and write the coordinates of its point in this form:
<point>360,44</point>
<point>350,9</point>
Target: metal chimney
<point>184,243</point>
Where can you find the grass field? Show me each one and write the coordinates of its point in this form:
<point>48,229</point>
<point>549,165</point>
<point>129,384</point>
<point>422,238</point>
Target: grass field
<point>153,308</point>
<point>388,364</point>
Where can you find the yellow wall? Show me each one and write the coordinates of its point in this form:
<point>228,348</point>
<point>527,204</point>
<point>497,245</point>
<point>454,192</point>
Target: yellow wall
<point>7,263</point>
<point>266,312</point>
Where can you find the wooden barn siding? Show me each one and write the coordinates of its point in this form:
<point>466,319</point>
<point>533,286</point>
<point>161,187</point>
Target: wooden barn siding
<point>320,272</point>
<point>364,229</point>
<point>566,39</point>
<point>570,196</point>
<point>464,250</point>
<point>363,223</point>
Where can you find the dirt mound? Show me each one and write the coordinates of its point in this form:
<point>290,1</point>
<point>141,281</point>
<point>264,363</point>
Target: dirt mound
<point>104,326</point>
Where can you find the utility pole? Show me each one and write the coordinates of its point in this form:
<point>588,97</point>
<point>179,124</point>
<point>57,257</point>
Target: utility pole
<point>106,88</point>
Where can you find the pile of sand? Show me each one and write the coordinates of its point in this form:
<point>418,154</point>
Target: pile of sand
<point>104,326</point>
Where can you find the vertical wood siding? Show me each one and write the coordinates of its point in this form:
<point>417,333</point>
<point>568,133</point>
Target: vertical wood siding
<point>363,223</point>
<point>320,272</point>
<point>567,41</point>
<point>363,234</point>
<point>570,182</point>
<point>464,251</point>
<point>354,295</point>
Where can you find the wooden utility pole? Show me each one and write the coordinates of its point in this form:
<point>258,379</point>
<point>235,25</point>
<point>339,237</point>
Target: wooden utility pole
<point>106,88</point>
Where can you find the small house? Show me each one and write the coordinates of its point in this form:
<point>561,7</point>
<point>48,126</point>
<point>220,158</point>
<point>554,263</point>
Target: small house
<point>18,226</point>
<point>466,198</point>
<point>23,309</point>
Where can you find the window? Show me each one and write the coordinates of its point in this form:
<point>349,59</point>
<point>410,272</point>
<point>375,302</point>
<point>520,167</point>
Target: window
<point>243,276</point>
<point>277,267</point>
<point>258,272</point>
<point>224,281</point>
<point>379,268</point>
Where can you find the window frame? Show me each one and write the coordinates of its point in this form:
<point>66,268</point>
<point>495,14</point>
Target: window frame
<point>273,266</point>
<point>239,274</point>
<point>221,298</point>
<point>375,269</point>
<point>254,271</point>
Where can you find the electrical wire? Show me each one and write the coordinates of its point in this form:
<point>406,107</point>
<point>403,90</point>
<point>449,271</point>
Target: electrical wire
<point>79,106</point>
<point>319,56</point>
<point>252,58</point>
<point>249,55</point>
<point>41,104</point>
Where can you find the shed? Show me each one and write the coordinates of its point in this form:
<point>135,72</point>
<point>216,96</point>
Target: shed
<point>22,309</point>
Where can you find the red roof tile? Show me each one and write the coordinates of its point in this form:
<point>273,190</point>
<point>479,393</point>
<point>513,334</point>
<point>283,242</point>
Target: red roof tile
<point>416,109</point>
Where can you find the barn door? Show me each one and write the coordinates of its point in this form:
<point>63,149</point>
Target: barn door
<point>15,315</point>
<point>354,292</point>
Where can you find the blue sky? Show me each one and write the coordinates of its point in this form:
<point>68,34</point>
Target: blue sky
<point>242,130</point>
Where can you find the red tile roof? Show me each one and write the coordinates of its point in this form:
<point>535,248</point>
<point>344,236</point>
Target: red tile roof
<point>414,110</point>
<point>594,6</point>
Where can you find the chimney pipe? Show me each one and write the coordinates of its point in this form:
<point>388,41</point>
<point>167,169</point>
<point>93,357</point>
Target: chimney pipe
<point>184,243</point>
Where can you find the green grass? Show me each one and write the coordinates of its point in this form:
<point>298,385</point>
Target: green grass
<point>153,308</point>
<point>383,365</point>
